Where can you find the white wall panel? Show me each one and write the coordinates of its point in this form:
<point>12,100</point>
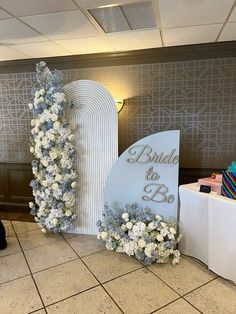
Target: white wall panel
<point>95,117</point>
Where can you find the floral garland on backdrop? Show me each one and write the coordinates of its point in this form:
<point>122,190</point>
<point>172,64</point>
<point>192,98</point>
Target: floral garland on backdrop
<point>136,231</point>
<point>54,184</point>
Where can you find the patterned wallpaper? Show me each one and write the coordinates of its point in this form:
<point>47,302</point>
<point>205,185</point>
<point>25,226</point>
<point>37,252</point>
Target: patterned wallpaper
<point>197,97</point>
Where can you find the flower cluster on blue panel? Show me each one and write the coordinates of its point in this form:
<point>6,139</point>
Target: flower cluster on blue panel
<point>136,231</point>
<point>52,143</point>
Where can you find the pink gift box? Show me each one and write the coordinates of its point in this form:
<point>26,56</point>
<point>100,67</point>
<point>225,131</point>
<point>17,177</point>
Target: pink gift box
<point>215,185</point>
<point>218,178</point>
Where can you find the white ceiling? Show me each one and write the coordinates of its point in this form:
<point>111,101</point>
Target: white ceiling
<point>47,28</point>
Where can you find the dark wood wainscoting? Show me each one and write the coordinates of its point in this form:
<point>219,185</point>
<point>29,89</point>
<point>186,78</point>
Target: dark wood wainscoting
<point>15,192</point>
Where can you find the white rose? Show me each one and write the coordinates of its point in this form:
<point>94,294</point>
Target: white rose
<point>55,221</point>
<point>104,235</point>
<point>58,177</point>
<point>45,162</point>
<point>52,137</point>
<point>158,217</point>
<point>123,227</point>
<point>31,149</point>
<point>54,117</point>
<point>141,243</point>
<point>163,224</point>
<point>151,226</point>
<point>32,122</point>
<point>73,185</point>
<point>44,230</point>
<point>55,186</point>
<point>159,238</point>
<point>129,225</point>
<point>30,106</point>
<point>125,216</point>
<point>56,125</point>
<point>31,204</point>
<point>41,134</point>
<point>37,94</point>
<point>41,99</point>
<point>172,230</point>
<point>68,213</point>
<point>42,91</point>
<point>71,137</point>
<point>36,219</point>
<point>44,183</point>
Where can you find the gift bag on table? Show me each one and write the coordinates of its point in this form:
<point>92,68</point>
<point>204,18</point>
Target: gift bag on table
<point>228,184</point>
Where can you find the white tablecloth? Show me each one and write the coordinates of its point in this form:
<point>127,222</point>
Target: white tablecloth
<point>208,224</point>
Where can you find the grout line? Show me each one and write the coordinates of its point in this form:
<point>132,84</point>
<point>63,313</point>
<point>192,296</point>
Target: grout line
<point>204,284</point>
<point>73,295</point>
<point>159,308</point>
<point>5,282</point>
<point>226,21</point>
<point>130,272</point>
<point>39,271</point>
<point>163,281</point>
<point>193,305</point>
<point>31,274</point>
<point>35,311</point>
<point>93,275</point>
<point>35,247</point>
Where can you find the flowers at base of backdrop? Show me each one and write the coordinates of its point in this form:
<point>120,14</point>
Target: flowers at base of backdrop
<point>134,230</point>
<point>54,184</point>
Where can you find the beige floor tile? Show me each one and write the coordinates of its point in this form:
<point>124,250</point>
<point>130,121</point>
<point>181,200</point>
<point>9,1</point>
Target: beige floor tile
<point>49,255</point>
<point>216,297</point>
<point>22,226</point>
<point>184,277</point>
<point>107,265</point>
<point>86,244</point>
<point>13,266</point>
<point>178,307</point>
<point>19,297</point>
<point>140,292</point>
<point>12,247</point>
<point>64,281</point>
<point>93,301</point>
<point>8,227</point>
<point>34,238</point>
<point>40,312</point>
<point>68,235</point>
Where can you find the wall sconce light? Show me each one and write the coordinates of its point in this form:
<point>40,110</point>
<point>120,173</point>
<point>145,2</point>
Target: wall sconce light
<point>119,104</point>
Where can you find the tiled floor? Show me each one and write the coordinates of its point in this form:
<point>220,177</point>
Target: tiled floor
<point>71,274</point>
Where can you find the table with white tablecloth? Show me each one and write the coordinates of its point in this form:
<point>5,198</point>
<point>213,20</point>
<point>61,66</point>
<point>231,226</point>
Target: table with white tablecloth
<point>208,224</point>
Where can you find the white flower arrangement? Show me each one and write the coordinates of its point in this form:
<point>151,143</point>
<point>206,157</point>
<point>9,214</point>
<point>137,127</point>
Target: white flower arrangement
<point>54,184</point>
<point>134,230</point>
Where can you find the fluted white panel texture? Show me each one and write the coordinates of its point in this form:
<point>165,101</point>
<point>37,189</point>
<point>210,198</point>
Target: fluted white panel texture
<point>95,119</point>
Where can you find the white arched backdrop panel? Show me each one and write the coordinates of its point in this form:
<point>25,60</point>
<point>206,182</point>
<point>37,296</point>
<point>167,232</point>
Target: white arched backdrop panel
<point>95,118</point>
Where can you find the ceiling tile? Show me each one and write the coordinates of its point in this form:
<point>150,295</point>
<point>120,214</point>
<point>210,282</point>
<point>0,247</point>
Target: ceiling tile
<point>91,4</point>
<point>62,25</point>
<point>139,15</point>
<point>229,32</point>
<point>110,19</point>
<point>4,15</point>
<point>85,45</point>
<point>233,16</point>
<point>42,49</point>
<point>191,35</point>
<point>10,54</point>
<point>135,40</point>
<point>13,31</point>
<point>33,7</point>
<point>193,12</point>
